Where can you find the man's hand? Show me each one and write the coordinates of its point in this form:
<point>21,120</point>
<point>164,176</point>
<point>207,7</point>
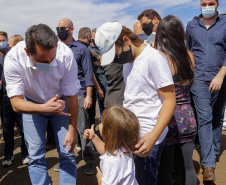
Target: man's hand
<point>216,84</point>
<point>89,133</point>
<point>145,145</point>
<point>98,175</point>
<point>55,106</point>
<point>97,63</point>
<point>87,102</point>
<point>100,94</point>
<point>71,140</point>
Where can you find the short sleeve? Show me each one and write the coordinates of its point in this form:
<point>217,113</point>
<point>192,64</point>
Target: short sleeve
<point>70,83</point>
<point>159,71</point>
<point>13,77</point>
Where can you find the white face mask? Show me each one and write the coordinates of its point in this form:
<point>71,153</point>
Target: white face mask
<point>208,11</point>
<point>44,66</point>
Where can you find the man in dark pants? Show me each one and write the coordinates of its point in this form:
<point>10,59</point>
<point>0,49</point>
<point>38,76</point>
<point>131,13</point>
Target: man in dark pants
<point>205,37</point>
<point>9,119</point>
<point>85,75</point>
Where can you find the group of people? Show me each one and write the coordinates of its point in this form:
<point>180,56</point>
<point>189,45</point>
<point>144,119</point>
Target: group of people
<point>158,88</point>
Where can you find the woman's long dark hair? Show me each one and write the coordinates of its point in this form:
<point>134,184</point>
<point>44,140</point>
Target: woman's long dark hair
<point>170,38</point>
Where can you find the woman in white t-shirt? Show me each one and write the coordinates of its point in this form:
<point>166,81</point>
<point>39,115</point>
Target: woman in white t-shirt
<point>149,92</point>
<point>120,131</point>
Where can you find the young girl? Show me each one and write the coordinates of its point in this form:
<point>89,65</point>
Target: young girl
<point>177,154</point>
<point>120,131</point>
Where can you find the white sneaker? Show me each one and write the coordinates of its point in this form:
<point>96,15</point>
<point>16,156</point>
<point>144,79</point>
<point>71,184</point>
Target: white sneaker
<point>57,168</point>
<point>25,160</point>
<point>7,161</point>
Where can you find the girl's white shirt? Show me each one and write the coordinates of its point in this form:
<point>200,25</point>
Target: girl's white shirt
<point>118,170</point>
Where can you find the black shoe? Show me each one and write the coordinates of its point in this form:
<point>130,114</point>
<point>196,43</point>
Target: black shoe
<point>90,169</point>
<point>7,161</point>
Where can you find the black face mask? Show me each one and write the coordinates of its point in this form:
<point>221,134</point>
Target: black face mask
<point>124,57</point>
<point>4,50</point>
<point>148,28</point>
<point>90,40</point>
<point>62,34</point>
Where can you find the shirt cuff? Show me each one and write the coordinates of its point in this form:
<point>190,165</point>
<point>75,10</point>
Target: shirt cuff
<point>164,84</point>
<point>72,89</point>
<point>14,90</point>
<point>89,83</point>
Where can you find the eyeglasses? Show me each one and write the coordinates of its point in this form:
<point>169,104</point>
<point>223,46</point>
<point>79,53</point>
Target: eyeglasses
<point>62,28</point>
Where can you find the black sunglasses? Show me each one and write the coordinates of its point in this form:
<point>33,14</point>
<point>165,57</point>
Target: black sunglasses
<point>62,28</point>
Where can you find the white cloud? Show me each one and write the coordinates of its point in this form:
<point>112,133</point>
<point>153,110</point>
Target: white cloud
<point>20,15</point>
<point>17,16</point>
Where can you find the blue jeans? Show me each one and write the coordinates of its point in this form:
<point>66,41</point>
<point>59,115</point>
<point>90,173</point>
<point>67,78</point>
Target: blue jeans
<point>101,102</point>
<point>210,113</point>
<point>147,167</point>
<point>35,126</point>
<point>9,119</point>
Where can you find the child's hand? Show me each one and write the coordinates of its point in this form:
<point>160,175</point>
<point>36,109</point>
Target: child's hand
<point>89,133</point>
<point>98,175</point>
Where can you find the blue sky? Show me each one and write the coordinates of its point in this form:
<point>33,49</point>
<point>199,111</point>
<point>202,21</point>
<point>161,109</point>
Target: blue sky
<point>17,16</point>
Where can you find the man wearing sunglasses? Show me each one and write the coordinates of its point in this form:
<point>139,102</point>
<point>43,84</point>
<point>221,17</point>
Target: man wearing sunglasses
<point>85,75</point>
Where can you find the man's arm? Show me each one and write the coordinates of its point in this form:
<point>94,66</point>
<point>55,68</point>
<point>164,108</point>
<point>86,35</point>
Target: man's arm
<point>188,40</point>
<point>88,76</point>
<point>146,144</point>
<point>98,89</point>
<point>94,53</point>
<point>88,98</point>
<point>72,108</point>
<point>53,106</point>
<point>217,81</point>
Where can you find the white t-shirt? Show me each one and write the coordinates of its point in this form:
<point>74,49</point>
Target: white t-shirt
<point>22,77</point>
<point>149,73</point>
<point>126,70</point>
<point>118,170</point>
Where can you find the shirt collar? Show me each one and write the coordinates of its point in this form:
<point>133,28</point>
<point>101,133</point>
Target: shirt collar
<point>83,43</point>
<point>73,43</point>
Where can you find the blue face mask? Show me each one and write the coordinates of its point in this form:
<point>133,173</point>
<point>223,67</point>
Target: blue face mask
<point>44,66</point>
<point>208,11</point>
<point>3,44</point>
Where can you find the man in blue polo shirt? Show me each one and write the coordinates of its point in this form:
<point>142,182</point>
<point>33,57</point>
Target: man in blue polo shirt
<point>206,38</point>
<point>85,75</point>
